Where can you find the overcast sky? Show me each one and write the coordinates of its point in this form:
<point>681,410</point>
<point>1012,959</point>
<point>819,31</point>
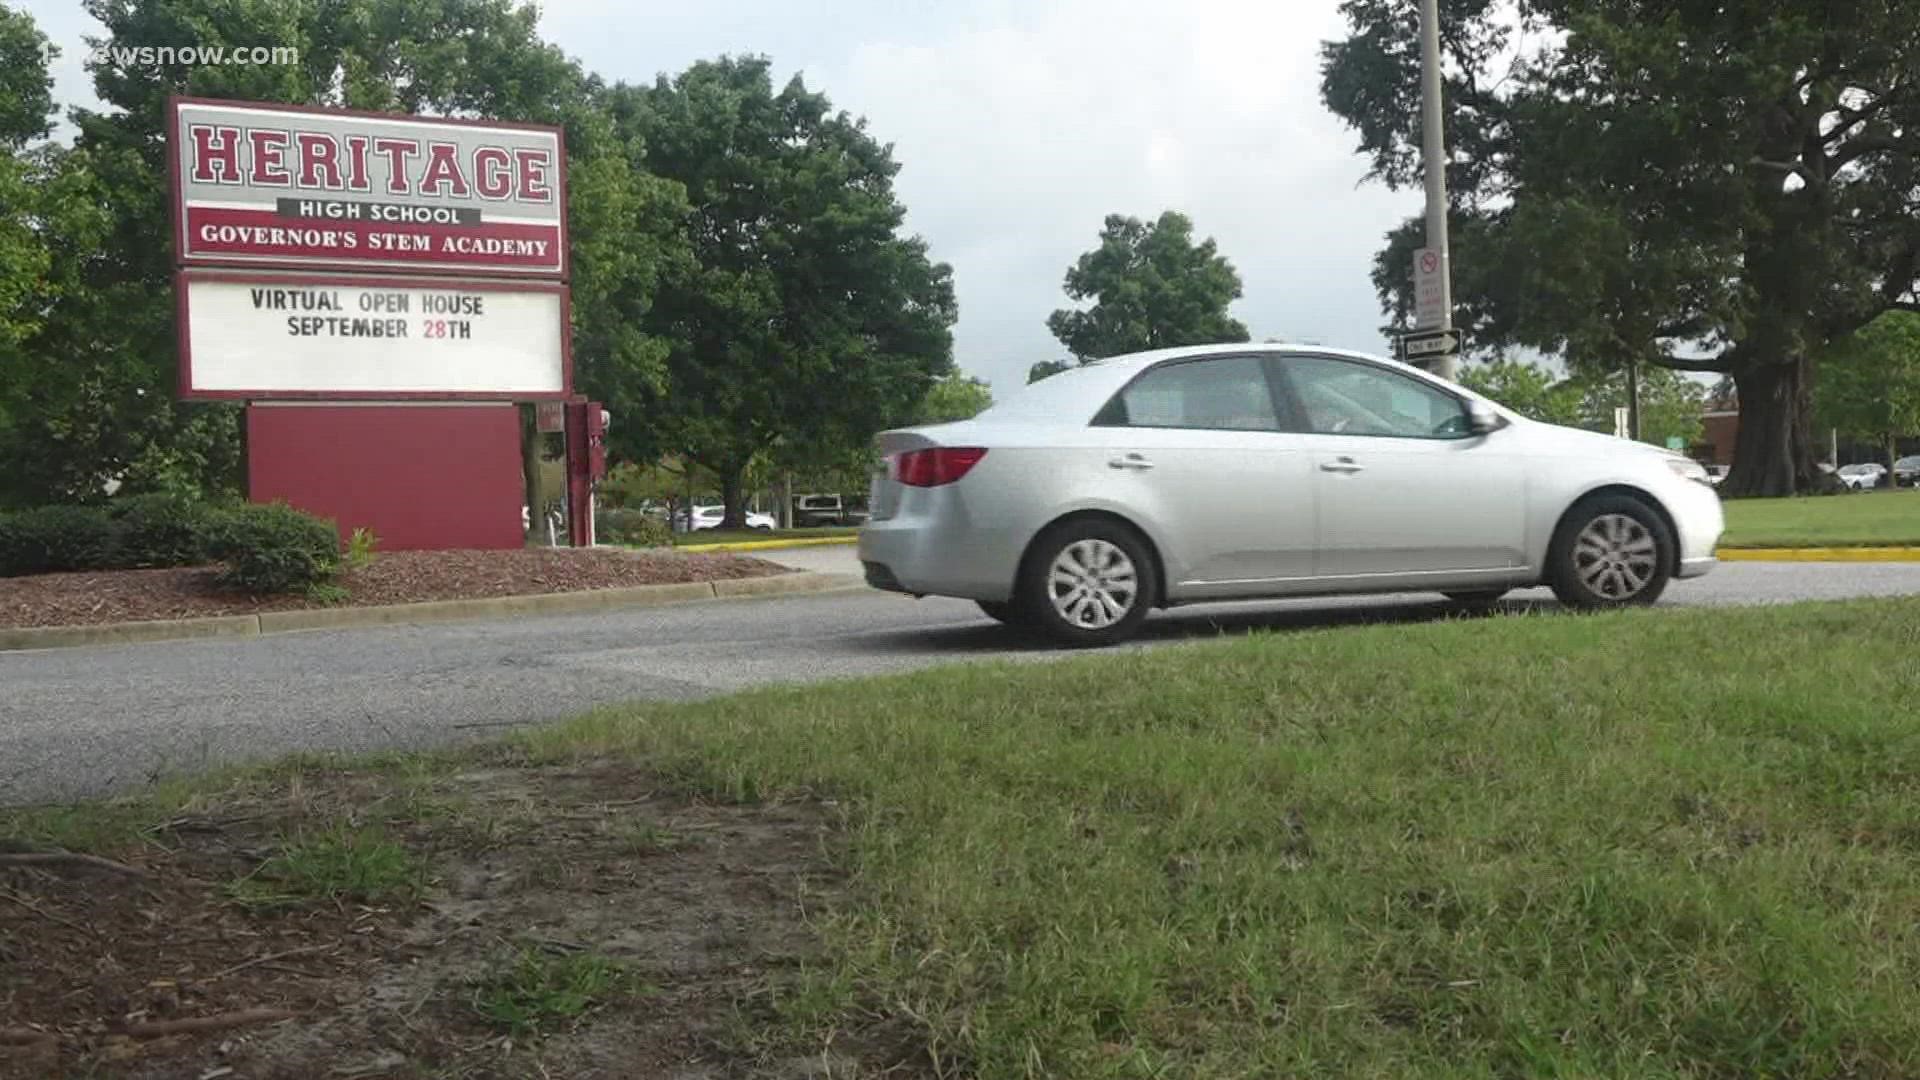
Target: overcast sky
<point>1020,124</point>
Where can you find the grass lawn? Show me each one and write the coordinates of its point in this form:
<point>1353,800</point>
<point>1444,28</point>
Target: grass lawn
<point>1654,843</point>
<point>735,536</point>
<point>1865,519</point>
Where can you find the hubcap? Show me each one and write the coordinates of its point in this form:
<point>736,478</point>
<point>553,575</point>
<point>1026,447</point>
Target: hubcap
<point>1092,584</point>
<point>1615,556</point>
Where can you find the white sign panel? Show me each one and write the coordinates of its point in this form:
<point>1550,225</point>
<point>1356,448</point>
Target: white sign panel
<point>290,336</point>
<point>275,185</point>
<point>1429,298</point>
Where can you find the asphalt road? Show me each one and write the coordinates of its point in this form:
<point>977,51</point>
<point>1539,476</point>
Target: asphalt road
<point>83,722</point>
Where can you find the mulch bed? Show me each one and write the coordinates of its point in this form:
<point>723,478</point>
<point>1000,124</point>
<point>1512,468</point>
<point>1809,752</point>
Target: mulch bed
<point>397,577</point>
<point>160,974</point>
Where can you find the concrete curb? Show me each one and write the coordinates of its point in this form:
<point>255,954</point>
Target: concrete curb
<point>769,545</point>
<point>1820,554</point>
<point>434,611</point>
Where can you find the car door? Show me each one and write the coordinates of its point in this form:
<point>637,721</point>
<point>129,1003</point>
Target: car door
<point>1197,450</point>
<point>1403,486</point>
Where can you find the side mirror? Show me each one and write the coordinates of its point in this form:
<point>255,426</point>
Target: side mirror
<point>1481,419</point>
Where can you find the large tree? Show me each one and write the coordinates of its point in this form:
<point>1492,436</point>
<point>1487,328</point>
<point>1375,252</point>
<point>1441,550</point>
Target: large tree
<point>100,370</point>
<point>1722,187</point>
<point>1152,287</point>
<point>1869,387</point>
<point>804,321</point>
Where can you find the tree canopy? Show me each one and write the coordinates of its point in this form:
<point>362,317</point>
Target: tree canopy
<point>1670,403</point>
<point>1152,287</point>
<point>1709,187</point>
<point>1869,386</point>
<point>955,397</point>
<point>802,318</point>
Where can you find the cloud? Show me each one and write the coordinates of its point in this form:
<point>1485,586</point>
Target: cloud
<point>1019,135</point>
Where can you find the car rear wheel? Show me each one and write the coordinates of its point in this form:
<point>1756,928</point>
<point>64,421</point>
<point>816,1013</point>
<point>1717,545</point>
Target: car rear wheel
<point>1087,583</point>
<point>1611,551</point>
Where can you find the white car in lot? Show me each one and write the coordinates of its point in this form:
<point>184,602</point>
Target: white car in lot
<point>1238,472</point>
<point>1861,477</point>
<point>709,517</point>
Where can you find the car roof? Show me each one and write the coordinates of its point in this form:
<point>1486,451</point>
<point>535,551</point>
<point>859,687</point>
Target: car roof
<point>1068,390</point>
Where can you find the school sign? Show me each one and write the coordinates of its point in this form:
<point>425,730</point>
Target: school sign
<point>329,254</point>
<point>276,186</point>
<point>381,291</point>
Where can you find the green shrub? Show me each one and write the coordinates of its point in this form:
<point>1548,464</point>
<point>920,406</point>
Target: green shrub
<point>163,530</point>
<point>51,539</point>
<point>273,548</point>
<point>632,528</point>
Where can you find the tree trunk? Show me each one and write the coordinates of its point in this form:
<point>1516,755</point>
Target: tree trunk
<point>1633,400</point>
<point>732,517</point>
<point>1774,454</point>
<point>1893,455</point>
<point>530,439</point>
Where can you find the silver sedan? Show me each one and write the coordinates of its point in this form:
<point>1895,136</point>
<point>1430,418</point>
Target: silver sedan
<point>1243,472</point>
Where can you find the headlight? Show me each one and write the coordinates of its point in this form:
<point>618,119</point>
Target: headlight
<point>1689,469</point>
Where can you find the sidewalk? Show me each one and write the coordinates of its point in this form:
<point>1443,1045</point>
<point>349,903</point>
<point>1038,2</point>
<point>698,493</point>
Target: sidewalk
<point>821,559</point>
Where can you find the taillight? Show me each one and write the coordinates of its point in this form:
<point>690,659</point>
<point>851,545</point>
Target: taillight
<point>936,465</point>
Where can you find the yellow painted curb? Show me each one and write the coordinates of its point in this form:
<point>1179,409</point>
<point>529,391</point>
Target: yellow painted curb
<point>1823,554</point>
<point>769,545</point>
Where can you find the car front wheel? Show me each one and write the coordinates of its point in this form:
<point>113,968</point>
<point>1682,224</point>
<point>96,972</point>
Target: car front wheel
<point>1088,583</point>
<point>1612,551</point>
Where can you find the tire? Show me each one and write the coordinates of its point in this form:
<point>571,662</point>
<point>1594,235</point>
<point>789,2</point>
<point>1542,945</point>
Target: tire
<point>1609,552</point>
<point>1480,598</point>
<point>1105,556</point>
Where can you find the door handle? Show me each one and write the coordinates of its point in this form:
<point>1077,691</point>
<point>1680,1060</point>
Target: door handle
<point>1131,461</point>
<point>1342,465</point>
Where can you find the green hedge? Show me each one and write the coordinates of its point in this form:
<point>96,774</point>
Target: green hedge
<point>52,539</point>
<point>631,527</point>
<point>275,548</point>
<point>163,530</point>
<point>266,548</point>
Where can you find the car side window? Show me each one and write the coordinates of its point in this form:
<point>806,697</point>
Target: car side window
<point>1340,397</point>
<point>1228,393</point>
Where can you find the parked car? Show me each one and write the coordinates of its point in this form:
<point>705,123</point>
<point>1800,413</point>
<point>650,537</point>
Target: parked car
<point>708,517</point>
<point>1862,477</point>
<point>1906,472</point>
<point>1241,472</point>
<point>812,511</point>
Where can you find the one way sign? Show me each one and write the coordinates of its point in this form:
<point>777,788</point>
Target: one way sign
<point>1429,344</point>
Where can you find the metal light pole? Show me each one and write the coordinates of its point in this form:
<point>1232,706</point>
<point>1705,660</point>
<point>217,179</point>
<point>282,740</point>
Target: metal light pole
<point>1434,162</point>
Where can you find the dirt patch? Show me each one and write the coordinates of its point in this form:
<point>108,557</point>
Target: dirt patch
<point>702,911</point>
<point>398,577</point>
